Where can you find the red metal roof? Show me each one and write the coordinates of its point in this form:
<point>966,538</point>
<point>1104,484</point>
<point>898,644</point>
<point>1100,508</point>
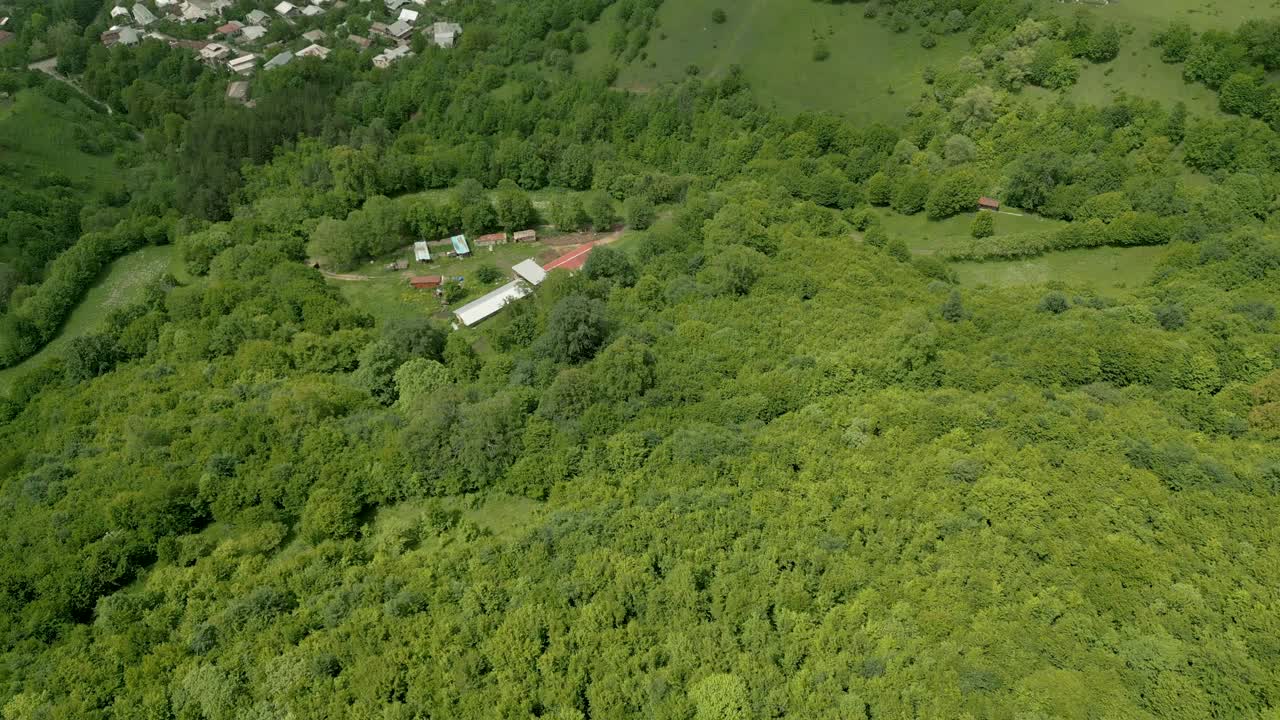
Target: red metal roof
<point>988,202</point>
<point>426,281</point>
<point>491,238</point>
<point>572,260</point>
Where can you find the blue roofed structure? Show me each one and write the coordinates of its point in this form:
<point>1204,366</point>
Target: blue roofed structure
<point>460,244</point>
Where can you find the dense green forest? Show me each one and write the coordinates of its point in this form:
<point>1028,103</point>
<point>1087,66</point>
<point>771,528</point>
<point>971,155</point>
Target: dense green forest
<point>756,460</point>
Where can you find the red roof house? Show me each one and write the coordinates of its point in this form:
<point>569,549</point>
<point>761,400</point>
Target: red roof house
<point>986,203</point>
<point>492,239</point>
<point>425,282</point>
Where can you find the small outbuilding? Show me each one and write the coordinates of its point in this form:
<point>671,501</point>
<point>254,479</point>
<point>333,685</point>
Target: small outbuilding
<point>530,271</point>
<point>491,239</point>
<point>421,252</point>
<point>426,282</point>
<point>986,203</point>
<point>460,244</point>
<point>526,236</point>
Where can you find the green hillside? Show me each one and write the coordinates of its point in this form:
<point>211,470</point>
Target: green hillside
<point>960,401</point>
<point>872,74</point>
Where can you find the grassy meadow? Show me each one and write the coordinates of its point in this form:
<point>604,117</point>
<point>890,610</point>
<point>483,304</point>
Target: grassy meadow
<point>1106,269</point>
<point>926,237</point>
<point>773,42</point>
<point>37,136</point>
<point>120,284</point>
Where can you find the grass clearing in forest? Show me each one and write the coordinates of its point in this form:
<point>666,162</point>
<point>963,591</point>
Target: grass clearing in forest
<point>1106,268</point>
<point>120,284</point>
<point>37,136</point>
<point>871,75</point>
<point>926,237</point>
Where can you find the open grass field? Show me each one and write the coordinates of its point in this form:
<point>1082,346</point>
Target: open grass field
<point>1138,71</point>
<point>773,42</point>
<point>121,283</point>
<point>1149,15</point>
<point>1104,269</point>
<point>926,237</point>
<point>37,136</point>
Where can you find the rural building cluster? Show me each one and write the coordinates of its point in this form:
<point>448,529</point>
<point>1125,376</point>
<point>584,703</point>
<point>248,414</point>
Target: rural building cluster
<point>526,274</point>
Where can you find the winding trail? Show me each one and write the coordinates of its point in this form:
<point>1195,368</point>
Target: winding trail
<point>49,66</point>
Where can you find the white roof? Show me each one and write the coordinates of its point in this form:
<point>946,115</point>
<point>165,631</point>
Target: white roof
<point>421,252</point>
<point>312,11</point>
<point>395,4</point>
<point>143,15</point>
<point>314,50</point>
<point>399,28</point>
<point>253,32</point>
<point>285,8</point>
<point>530,271</point>
<point>409,16</point>
<point>490,303</point>
<point>256,16</point>
<point>314,35</point>
<point>242,62</point>
<point>129,36</point>
<point>116,11</point>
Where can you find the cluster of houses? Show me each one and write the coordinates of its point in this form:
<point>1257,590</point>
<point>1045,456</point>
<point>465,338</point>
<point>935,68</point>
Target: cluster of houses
<point>227,46</point>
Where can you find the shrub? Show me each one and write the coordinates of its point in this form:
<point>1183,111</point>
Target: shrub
<point>820,51</point>
<point>718,16</point>
<point>1054,302</point>
<point>983,226</point>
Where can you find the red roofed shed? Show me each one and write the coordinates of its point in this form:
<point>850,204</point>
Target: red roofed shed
<point>426,282</point>
<point>986,203</point>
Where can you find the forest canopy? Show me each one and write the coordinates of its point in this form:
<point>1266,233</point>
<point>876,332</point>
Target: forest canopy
<point>757,458</point>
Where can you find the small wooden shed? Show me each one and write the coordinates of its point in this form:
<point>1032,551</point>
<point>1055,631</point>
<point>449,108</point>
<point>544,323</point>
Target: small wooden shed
<point>426,282</point>
<point>986,203</point>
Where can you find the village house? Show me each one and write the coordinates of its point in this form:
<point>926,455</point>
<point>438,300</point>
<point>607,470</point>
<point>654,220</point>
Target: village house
<point>229,30</point>
<point>361,42</point>
<point>399,30</point>
<point>315,51</point>
<point>278,61</point>
<point>142,15</point>
<point>387,57</point>
<point>193,12</point>
<point>445,34</point>
<point>120,36</point>
<point>394,5</point>
<point>314,36</point>
<point>257,17</point>
<point>460,246</point>
<point>119,11</point>
<point>286,10</point>
<point>243,65</point>
<point>253,33</point>
<point>421,252</point>
<point>214,52</point>
<point>986,203</point>
<point>525,236</point>
<point>312,11</point>
<point>409,16</point>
